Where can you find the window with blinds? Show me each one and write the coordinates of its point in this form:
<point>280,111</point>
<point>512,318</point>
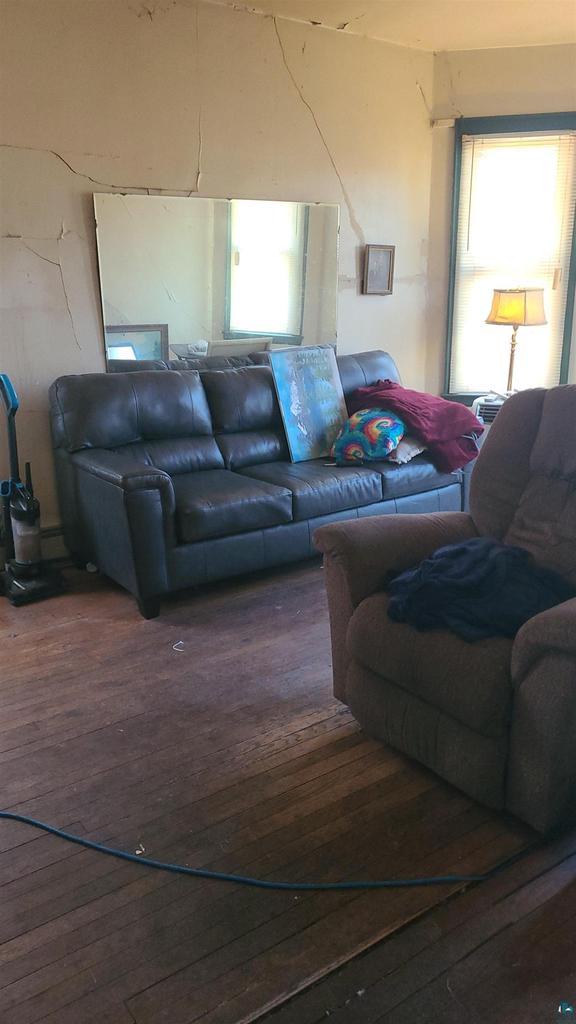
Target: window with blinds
<point>515,226</point>
<point>267,268</point>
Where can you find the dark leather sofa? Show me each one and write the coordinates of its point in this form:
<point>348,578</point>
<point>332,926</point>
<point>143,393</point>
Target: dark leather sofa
<point>169,478</point>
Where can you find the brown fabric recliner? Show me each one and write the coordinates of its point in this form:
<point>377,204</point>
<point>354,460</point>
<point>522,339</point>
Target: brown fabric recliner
<point>497,717</point>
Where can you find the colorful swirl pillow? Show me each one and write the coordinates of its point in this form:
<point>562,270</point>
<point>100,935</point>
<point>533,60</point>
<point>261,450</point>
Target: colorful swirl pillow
<point>367,435</point>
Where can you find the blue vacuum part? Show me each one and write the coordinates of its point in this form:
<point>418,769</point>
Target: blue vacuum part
<point>256,883</point>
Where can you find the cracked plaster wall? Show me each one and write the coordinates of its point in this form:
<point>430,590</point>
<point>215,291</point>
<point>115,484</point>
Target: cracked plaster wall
<point>180,96</point>
<point>483,83</point>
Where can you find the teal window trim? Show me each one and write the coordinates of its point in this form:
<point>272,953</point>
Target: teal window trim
<point>507,124</point>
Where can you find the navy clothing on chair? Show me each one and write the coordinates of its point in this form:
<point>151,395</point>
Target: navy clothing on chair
<point>478,588</point>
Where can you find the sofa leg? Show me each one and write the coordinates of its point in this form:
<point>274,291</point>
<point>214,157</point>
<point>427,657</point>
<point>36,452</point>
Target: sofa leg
<point>149,607</point>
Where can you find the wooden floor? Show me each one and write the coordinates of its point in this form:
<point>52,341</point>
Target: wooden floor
<point>231,753</point>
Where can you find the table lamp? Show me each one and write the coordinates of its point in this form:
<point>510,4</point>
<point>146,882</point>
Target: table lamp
<point>516,307</point>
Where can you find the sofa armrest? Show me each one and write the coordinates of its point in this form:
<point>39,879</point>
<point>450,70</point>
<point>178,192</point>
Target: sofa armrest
<point>126,511</point>
<point>541,786</point>
<point>359,554</point>
<point>126,473</point>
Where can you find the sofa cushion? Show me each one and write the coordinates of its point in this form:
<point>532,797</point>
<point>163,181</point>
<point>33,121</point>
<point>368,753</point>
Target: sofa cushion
<point>103,410</point>
<point>469,682</point>
<point>356,371</point>
<point>412,478</point>
<point>137,365</point>
<point>209,362</point>
<point>252,446</point>
<point>319,489</point>
<point>241,399</point>
<point>246,415</point>
<point>216,503</point>
<point>177,454</point>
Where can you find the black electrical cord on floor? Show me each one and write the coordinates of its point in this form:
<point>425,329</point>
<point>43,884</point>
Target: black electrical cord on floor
<point>257,883</point>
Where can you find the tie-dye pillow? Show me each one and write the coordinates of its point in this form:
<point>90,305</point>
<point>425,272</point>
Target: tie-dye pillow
<point>368,434</point>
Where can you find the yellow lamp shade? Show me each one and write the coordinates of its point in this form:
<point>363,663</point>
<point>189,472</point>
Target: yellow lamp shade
<point>517,306</point>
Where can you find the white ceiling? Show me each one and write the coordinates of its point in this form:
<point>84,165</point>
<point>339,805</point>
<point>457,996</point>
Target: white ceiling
<point>433,24</point>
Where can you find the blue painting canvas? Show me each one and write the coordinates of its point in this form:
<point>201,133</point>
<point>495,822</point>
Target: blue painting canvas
<point>311,399</point>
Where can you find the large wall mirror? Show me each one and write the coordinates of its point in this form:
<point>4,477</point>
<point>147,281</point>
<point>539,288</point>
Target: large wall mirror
<point>182,277</point>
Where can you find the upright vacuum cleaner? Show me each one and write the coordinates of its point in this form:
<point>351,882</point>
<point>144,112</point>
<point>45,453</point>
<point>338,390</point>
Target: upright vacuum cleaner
<point>25,577</point>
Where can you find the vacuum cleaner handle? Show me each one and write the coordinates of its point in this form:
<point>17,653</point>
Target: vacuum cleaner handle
<point>11,402</point>
<point>8,394</point>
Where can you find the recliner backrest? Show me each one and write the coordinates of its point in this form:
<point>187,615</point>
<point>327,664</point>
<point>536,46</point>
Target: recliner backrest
<point>523,487</point>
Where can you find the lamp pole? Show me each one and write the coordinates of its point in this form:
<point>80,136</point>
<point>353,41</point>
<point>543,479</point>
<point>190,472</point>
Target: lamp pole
<point>512,354</point>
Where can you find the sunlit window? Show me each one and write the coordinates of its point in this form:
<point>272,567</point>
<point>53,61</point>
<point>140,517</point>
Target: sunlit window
<point>266,267</point>
<point>514,230</point>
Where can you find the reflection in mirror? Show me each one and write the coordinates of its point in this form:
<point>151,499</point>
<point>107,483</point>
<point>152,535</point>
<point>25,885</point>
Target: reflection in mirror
<point>185,277</point>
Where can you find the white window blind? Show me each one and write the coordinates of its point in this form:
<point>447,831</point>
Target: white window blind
<point>514,230</point>
<point>266,267</point>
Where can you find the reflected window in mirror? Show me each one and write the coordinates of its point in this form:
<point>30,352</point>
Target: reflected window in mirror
<point>267,262</point>
<point>120,351</point>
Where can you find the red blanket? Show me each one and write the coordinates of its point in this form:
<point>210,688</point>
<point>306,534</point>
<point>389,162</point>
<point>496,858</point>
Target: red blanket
<point>446,428</point>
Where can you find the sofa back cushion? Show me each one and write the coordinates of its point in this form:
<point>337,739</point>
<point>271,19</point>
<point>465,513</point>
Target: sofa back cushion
<point>169,418</point>
<point>246,415</point>
<point>137,365</point>
<point>209,362</point>
<point>364,368</point>
<point>161,418</point>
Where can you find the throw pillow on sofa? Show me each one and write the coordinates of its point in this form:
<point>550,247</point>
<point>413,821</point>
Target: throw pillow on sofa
<point>407,449</point>
<point>367,435</point>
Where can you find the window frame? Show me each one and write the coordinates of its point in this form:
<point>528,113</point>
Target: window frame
<point>505,124</point>
<point>282,339</point>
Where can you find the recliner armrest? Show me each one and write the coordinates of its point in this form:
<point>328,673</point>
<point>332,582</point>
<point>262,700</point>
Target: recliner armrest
<point>360,553</point>
<point>368,549</point>
<point>541,783</point>
<point>126,473</point>
<point>553,631</point>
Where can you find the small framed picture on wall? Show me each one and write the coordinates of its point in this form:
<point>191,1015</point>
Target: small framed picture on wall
<point>378,270</point>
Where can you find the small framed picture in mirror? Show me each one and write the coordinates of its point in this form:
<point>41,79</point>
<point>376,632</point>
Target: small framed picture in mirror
<point>378,270</point>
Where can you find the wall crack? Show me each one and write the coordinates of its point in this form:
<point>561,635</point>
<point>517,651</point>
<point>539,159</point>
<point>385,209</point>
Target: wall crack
<point>354,223</point>
<point>150,12</point>
<point>425,101</point>
<point>45,238</point>
<point>88,177</point>
<point>200,137</point>
<point>451,90</point>
<point>55,263</point>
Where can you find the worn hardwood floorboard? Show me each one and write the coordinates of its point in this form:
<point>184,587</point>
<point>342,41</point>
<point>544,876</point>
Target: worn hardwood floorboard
<point>233,754</point>
<point>503,952</point>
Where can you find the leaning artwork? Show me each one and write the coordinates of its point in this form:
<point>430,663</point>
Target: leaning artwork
<point>311,399</point>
